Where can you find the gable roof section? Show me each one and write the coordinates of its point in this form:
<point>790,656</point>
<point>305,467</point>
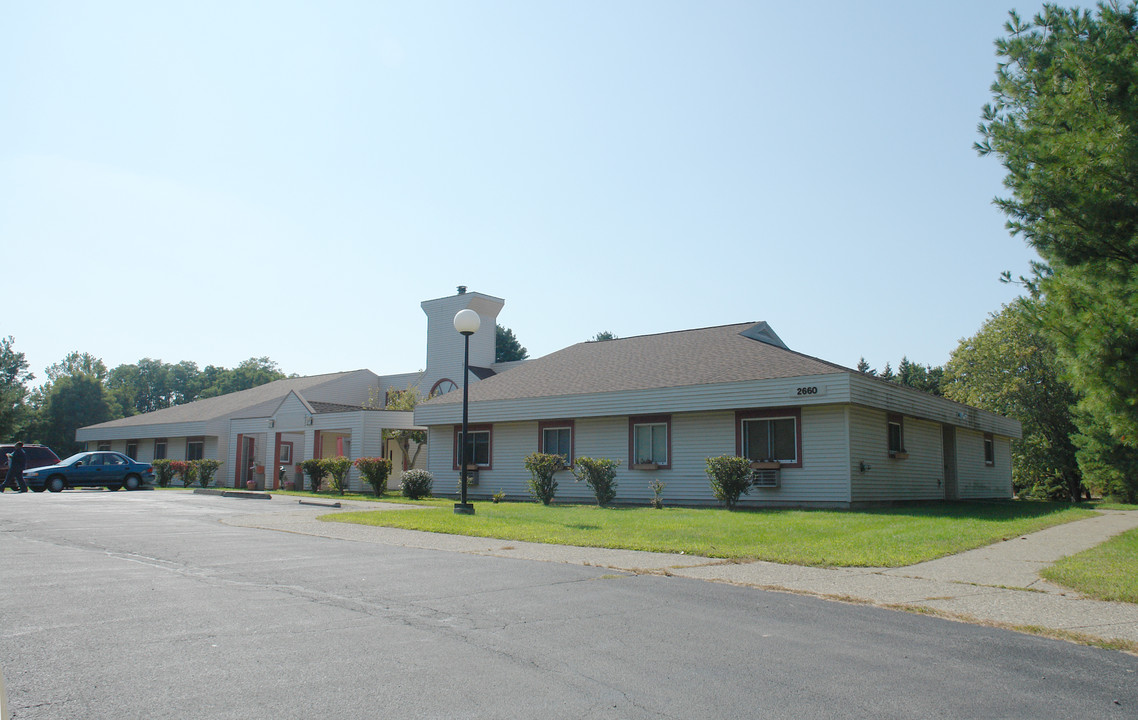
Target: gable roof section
<point>254,402</point>
<point>675,359</point>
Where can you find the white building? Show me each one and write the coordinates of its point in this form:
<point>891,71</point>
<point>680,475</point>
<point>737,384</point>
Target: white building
<point>818,433</point>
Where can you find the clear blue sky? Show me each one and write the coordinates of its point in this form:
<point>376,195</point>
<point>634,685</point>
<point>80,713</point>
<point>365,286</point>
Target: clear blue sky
<point>214,181</point>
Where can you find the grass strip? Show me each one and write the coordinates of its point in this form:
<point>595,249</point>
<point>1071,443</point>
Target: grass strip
<point>1107,572</point>
<point>888,537</point>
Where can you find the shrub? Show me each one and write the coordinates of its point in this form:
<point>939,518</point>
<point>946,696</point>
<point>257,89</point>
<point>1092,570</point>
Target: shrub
<point>498,497</point>
<point>600,475</point>
<point>338,468</point>
<point>205,470</point>
<point>163,472</point>
<point>730,477</point>
<point>657,488</point>
<point>541,468</point>
<point>416,484</point>
<point>375,472</point>
<point>185,470</point>
<point>316,470</point>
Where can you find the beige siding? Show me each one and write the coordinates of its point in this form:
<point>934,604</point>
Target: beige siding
<point>918,477</point>
<point>975,479</point>
<point>877,393</point>
<point>823,479</point>
<point>445,345</point>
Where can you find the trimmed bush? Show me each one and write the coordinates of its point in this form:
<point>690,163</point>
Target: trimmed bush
<point>205,470</point>
<point>600,475</point>
<point>337,469</point>
<point>730,477</point>
<point>375,472</point>
<point>416,484</point>
<point>185,470</point>
<point>163,472</point>
<point>315,469</point>
<point>542,467</point>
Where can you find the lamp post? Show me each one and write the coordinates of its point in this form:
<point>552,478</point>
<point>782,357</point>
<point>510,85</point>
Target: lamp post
<point>467,323</point>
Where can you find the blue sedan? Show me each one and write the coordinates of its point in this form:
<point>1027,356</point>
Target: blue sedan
<point>111,470</point>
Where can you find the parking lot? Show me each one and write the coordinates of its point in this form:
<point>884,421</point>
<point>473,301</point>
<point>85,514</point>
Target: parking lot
<point>148,605</point>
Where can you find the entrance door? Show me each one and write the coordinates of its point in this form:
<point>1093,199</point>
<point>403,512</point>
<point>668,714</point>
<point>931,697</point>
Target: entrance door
<point>248,471</point>
<point>948,442</point>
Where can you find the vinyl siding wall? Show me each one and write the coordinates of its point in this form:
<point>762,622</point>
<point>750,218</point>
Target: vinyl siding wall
<point>917,477</point>
<point>822,480</point>
<point>974,478</point>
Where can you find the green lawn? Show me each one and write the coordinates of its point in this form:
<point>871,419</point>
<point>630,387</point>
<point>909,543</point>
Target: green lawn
<point>890,537</point>
<point>1107,572</point>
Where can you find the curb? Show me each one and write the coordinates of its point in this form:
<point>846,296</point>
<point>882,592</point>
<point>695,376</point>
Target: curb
<point>234,493</point>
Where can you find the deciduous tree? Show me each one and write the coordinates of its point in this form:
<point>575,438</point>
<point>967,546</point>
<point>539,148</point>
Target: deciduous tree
<point>1011,367</point>
<point>14,379</point>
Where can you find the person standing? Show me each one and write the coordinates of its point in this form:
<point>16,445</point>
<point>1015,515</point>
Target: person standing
<point>17,460</point>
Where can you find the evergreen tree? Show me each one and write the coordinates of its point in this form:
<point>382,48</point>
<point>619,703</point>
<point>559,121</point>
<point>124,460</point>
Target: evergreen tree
<point>1064,124</point>
<point>887,373</point>
<point>506,346</point>
<point>864,368</point>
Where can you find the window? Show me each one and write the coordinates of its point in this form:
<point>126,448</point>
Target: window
<point>286,453</point>
<point>442,387</point>
<point>650,440</point>
<point>160,449</point>
<point>103,446</point>
<point>989,449</point>
<point>195,448</point>
<point>770,435</point>
<point>556,438</point>
<point>478,446</point>
<point>895,427</point>
<point>132,449</point>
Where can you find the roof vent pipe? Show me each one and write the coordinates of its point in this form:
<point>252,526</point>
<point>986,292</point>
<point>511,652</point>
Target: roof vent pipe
<point>461,289</point>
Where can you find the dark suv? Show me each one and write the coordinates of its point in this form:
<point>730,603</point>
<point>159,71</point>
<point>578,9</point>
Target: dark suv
<point>37,456</point>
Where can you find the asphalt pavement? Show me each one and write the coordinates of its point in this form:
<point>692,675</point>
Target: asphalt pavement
<point>174,605</point>
<point>998,584</point>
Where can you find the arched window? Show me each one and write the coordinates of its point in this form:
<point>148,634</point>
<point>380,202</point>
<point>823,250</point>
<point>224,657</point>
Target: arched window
<point>442,387</point>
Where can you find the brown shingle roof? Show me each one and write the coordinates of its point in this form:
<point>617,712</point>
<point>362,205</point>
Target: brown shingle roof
<point>675,359</point>
<point>259,400</point>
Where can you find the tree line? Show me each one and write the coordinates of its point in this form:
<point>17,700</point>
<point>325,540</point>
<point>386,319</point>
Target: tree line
<point>1063,359</point>
<point>79,390</point>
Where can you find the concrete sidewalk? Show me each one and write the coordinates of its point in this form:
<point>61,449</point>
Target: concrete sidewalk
<point>997,584</point>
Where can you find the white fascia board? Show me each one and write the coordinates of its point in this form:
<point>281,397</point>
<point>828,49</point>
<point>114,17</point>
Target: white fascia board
<point>884,395</point>
<point>780,392</point>
<point>145,432</point>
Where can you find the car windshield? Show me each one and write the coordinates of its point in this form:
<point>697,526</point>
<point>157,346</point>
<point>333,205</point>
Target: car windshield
<point>71,460</point>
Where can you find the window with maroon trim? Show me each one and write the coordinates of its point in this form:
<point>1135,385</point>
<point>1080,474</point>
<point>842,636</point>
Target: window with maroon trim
<point>103,446</point>
<point>895,434</point>
<point>160,449</point>
<point>132,449</point>
<point>989,450</point>
<point>555,437</point>
<point>442,387</point>
<point>195,448</point>
<point>479,446</point>
<point>770,435</point>
<point>650,441</point>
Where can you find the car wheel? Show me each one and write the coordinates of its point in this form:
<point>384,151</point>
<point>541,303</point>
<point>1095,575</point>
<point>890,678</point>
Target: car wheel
<point>132,482</point>
<point>113,487</point>
<point>56,483</point>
